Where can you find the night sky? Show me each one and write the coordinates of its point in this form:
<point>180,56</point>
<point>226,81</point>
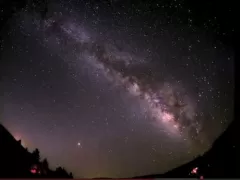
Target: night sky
<point>118,88</point>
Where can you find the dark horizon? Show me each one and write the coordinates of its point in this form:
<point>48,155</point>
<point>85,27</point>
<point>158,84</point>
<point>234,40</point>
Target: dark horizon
<point>206,164</point>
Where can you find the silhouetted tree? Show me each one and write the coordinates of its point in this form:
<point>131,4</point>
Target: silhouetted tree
<point>36,156</point>
<point>45,163</point>
<point>17,162</point>
<point>45,167</point>
<point>20,141</point>
<point>62,173</point>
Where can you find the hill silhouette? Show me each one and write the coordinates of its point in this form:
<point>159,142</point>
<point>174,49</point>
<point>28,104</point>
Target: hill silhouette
<point>17,162</point>
<point>219,162</point>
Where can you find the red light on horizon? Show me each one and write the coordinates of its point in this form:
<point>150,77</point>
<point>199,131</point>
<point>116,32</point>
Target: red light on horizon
<point>33,171</point>
<point>195,170</point>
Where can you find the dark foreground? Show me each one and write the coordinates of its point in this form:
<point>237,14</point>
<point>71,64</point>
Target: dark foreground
<point>219,162</point>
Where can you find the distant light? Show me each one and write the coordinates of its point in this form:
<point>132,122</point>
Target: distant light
<point>194,171</point>
<point>78,144</point>
<point>33,171</point>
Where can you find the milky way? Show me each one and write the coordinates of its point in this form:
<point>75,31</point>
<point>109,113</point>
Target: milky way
<point>147,90</point>
<point>159,99</point>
